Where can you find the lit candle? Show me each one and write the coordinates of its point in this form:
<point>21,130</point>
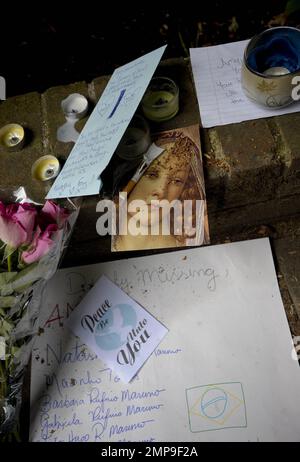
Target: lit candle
<point>274,71</point>
<point>45,168</point>
<point>161,100</point>
<point>75,106</point>
<point>12,136</point>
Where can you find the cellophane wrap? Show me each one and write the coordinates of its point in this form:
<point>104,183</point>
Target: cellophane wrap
<point>24,272</point>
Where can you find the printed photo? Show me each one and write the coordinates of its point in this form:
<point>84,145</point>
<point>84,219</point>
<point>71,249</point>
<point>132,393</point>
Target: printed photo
<point>167,206</point>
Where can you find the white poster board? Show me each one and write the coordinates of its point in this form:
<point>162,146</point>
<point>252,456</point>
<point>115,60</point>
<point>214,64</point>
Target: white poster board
<point>224,372</point>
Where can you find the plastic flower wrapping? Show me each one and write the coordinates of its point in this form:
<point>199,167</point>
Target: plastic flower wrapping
<point>33,238</point>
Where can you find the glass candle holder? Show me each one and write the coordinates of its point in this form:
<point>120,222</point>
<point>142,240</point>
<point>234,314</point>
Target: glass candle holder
<point>161,100</point>
<point>136,139</point>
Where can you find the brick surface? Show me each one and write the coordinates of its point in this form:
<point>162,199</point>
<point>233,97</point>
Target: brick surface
<point>97,87</point>
<point>247,146</point>
<point>244,157</point>
<point>288,257</point>
<point>286,128</point>
<point>289,127</point>
<point>229,222</point>
<point>216,169</point>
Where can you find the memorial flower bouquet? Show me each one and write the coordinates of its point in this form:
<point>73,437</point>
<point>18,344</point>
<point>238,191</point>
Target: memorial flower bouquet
<point>32,240</point>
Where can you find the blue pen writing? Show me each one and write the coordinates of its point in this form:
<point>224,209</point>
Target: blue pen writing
<point>122,93</point>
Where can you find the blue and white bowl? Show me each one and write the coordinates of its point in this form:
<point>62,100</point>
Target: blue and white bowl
<point>271,61</point>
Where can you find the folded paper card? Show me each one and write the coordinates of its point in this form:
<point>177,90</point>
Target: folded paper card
<point>105,128</point>
<point>116,328</point>
<point>217,76</point>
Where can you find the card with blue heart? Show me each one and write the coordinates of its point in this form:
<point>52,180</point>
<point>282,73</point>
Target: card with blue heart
<point>121,332</point>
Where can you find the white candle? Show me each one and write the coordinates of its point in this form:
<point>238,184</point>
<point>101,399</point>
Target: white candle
<point>75,106</point>
<point>276,71</point>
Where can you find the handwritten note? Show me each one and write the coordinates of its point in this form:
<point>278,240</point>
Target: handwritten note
<point>217,76</point>
<point>121,332</point>
<point>224,372</point>
<point>105,128</point>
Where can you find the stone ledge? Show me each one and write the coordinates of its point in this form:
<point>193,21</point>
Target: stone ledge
<point>243,158</point>
<point>97,86</point>
<point>252,161</point>
<point>288,257</point>
<point>247,163</point>
<point>289,129</point>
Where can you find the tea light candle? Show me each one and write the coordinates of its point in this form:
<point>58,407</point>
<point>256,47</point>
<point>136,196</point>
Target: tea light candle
<point>271,59</point>
<point>274,71</point>
<point>12,136</point>
<point>161,100</point>
<point>75,106</point>
<point>45,168</point>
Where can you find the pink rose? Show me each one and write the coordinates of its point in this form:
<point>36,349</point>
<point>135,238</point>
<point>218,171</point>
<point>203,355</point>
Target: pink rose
<point>41,244</point>
<point>53,213</point>
<point>17,223</point>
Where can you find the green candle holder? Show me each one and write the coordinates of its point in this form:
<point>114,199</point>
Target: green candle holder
<point>161,100</point>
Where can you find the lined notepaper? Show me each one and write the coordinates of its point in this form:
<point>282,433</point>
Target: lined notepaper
<point>217,76</point>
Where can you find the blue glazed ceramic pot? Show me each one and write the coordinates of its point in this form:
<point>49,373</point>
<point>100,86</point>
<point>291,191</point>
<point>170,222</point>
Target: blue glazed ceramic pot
<point>271,61</point>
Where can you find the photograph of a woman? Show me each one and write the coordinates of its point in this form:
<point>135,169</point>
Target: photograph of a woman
<point>174,178</point>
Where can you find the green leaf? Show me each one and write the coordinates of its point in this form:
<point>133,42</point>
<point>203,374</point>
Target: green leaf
<point>6,277</point>
<point>8,251</point>
<point>292,7</point>
<point>5,328</point>
<point>7,302</point>
<point>26,277</point>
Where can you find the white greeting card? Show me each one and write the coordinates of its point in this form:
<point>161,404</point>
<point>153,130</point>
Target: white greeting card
<point>116,328</point>
<point>104,128</point>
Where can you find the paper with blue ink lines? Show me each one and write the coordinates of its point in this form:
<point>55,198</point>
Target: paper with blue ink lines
<point>227,369</point>
<point>105,127</point>
<point>116,328</point>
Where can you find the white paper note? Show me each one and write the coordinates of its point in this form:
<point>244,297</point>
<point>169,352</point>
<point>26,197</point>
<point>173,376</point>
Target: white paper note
<point>105,128</point>
<point>217,76</point>
<point>116,328</point>
<point>226,370</point>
